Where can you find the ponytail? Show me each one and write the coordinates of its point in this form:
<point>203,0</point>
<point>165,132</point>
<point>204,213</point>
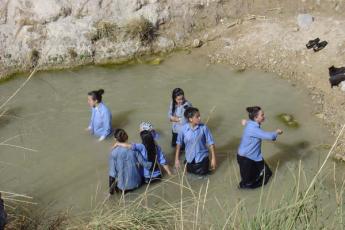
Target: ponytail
<point>96,95</point>
<point>253,112</point>
<point>120,135</point>
<point>151,148</point>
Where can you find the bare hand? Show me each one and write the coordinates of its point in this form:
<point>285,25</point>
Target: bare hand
<point>279,131</point>
<point>213,164</point>
<point>243,122</point>
<point>177,164</point>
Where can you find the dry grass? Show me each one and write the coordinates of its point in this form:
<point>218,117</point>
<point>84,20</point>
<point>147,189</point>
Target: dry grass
<point>105,29</point>
<point>143,29</point>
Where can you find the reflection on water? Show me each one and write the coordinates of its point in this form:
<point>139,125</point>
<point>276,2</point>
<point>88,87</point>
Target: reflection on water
<point>70,168</point>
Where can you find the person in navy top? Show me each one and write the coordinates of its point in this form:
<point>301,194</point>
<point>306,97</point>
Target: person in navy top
<point>151,152</point>
<point>177,108</point>
<point>125,165</point>
<point>3,214</point>
<point>253,169</point>
<point>198,142</point>
<point>100,122</point>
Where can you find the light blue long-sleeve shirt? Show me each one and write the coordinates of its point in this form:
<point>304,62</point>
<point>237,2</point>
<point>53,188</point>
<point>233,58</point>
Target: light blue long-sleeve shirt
<point>196,141</point>
<point>179,112</point>
<point>126,165</point>
<point>160,159</point>
<point>252,137</point>
<point>100,122</point>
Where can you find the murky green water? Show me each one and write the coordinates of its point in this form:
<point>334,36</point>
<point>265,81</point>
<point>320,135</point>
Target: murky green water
<point>70,167</point>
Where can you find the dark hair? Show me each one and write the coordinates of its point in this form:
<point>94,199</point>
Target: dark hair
<point>151,148</point>
<point>96,95</point>
<point>190,112</point>
<point>120,135</point>
<point>253,112</point>
<point>175,93</point>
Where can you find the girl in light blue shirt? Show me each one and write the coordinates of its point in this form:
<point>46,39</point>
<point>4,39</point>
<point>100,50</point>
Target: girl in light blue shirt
<point>100,122</point>
<point>253,169</point>
<point>177,108</point>
<point>151,152</point>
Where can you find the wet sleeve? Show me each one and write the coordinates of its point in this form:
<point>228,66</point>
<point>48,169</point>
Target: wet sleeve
<point>112,168</point>
<point>139,148</point>
<point>91,119</point>
<point>209,137</point>
<point>160,156</point>
<point>142,160</point>
<point>261,134</point>
<point>107,123</point>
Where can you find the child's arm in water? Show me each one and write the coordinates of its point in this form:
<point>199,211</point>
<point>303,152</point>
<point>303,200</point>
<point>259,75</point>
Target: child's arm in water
<point>167,169</point>
<point>177,156</point>
<point>213,155</point>
<point>162,160</point>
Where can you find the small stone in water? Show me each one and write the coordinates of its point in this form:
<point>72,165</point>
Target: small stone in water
<point>288,120</point>
<point>196,43</point>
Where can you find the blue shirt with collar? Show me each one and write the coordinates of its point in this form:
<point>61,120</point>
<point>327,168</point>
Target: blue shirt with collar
<point>252,137</point>
<point>179,112</point>
<point>196,141</point>
<point>125,165</point>
<point>160,159</point>
<point>100,122</point>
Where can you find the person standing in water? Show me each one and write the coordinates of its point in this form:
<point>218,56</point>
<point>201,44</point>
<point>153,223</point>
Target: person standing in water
<point>198,141</point>
<point>125,165</point>
<point>3,215</point>
<point>151,152</point>
<point>100,122</point>
<point>177,108</point>
<point>253,169</point>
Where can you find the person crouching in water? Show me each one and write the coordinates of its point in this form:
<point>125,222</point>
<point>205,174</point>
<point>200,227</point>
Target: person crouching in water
<point>125,166</point>
<point>151,152</point>
<point>253,169</point>
<point>198,142</point>
<point>100,122</point>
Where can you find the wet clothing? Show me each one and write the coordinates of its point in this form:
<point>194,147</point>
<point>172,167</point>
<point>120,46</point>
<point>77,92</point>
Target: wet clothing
<point>3,215</point>
<point>100,122</point>
<point>250,146</point>
<point>179,112</point>
<point>125,165</point>
<point>253,169</point>
<point>196,142</point>
<point>201,168</point>
<point>253,173</point>
<point>161,160</point>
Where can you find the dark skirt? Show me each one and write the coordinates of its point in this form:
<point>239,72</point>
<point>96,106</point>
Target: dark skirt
<point>173,141</point>
<point>253,173</point>
<point>201,168</point>
<point>153,179</point>
<point>113,187</point>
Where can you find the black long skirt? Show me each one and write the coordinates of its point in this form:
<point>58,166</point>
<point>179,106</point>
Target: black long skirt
<point>201,168</point>
<point>253,173</point>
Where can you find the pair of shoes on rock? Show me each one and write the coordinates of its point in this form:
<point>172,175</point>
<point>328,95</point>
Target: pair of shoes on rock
<point>316,44</point>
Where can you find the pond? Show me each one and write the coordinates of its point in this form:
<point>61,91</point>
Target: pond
<point>70,168</point>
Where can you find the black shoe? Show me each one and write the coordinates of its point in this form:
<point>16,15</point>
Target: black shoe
<point>319,46</point>
<point>312,43</point>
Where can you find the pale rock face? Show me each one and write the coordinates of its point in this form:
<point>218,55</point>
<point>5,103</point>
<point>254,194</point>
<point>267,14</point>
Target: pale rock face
<point>60,30</point>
